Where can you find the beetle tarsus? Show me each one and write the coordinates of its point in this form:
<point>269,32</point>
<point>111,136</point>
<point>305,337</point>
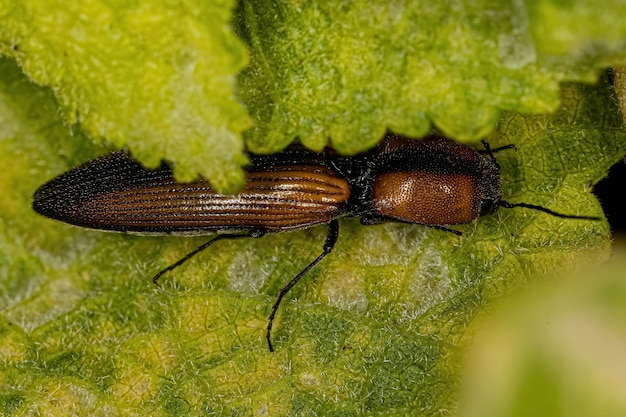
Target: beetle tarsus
<point>329,244</point>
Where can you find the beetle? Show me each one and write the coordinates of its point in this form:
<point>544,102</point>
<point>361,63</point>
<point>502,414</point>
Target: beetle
<point>433,181</point>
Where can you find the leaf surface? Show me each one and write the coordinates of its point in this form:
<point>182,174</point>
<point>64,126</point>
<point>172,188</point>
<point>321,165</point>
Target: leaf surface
<point>377,328</point>
<point>157,77</point>
<point>165,79</point>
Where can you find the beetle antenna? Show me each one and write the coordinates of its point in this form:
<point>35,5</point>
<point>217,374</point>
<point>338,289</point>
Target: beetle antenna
<point>490,151</point>
<point>506,204</point>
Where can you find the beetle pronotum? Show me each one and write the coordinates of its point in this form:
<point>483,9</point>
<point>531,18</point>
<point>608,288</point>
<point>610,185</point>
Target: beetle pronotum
<point>434,181</point>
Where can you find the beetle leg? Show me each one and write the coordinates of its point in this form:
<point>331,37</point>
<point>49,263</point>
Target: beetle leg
<point>253,233</point>
<point>371,220</point>
<point>329,244</point>
<point>445,229</point>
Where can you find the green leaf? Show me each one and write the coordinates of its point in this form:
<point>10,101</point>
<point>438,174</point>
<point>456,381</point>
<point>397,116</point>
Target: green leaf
<point>557,351</point>
<point>161,77</point>
<point>378,328</point>
<point>349,71</point>
<point>158,77</point>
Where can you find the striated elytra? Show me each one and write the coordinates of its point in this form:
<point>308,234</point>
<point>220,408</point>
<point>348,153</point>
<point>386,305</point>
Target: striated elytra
<point>434,181</point>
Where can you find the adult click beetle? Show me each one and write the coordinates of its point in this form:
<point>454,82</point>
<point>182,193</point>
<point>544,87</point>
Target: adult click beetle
<point>434,181</point>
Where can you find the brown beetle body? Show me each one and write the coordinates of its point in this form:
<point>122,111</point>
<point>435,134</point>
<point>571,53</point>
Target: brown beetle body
<point>117,193</point>
<point>434,181</point>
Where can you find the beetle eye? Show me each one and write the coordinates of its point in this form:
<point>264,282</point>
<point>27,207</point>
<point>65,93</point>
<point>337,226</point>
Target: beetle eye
<point>487,207</point>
